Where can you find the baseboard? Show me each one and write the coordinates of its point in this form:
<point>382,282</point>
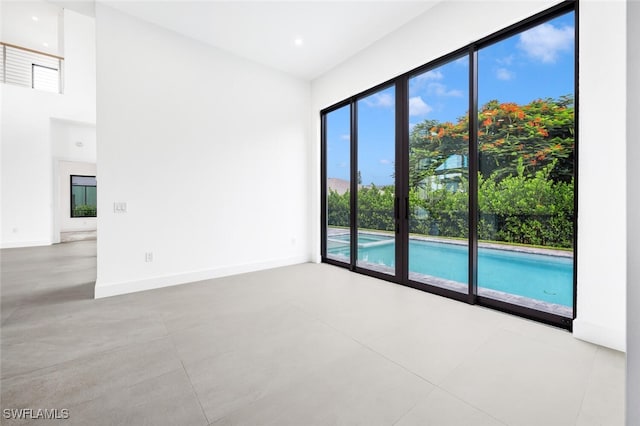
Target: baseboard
<point>603,336</point>
<point>109,289</point>
<point>23,244</point>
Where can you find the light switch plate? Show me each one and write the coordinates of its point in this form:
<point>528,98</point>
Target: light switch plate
<point>119,207</point>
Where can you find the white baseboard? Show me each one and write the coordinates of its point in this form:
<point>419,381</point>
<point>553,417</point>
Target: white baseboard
<point>115,288</point>
<point>603,336</point>
<point>22,244</point>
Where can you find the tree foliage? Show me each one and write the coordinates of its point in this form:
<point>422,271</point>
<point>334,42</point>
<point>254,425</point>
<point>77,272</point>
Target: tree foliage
<point>538,133</point>
<point>525,183</point>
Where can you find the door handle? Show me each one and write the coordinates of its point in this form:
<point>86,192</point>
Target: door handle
<point>396,208</point>
<point>406,208</point>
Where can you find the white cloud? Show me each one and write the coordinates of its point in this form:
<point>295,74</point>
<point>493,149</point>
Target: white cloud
<point>383,100</point>
<point>507,60</point>
<point>505,74</point>
<point>464,61</point>
<point>342,165</point>
<point>440,89</point>
<point>385,161</point>
<point>430,75</point>
<point>418,107</point>
<point>545,42</point>
<point>345,137</point>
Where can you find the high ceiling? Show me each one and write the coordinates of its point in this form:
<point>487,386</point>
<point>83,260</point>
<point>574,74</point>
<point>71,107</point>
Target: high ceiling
<point>302,38</point>
<point>31,24</point>
<point>328,32</point>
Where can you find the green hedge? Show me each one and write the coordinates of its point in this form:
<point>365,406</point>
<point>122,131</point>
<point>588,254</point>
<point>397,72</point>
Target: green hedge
<point>516,209</point>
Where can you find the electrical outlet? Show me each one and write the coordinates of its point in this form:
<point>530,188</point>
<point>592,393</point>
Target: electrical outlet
<point>148,257</point>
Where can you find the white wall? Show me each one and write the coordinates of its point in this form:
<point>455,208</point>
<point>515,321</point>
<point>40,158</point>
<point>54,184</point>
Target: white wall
<point>28,181</point>
<point>209,151</point>
<point>73,140</point>
<point>601,225</point>
<point>633,213</point>
<point>601,310</point>
<point>26,166</point>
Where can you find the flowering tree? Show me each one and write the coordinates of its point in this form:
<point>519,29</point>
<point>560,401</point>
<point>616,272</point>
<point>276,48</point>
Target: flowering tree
<point>525,186</point>
<point>537,133</point>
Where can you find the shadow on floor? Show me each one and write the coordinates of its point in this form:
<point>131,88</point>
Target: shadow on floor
<point>50,296</point>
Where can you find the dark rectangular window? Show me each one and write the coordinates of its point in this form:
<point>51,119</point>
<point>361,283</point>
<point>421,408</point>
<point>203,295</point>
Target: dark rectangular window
<point>83,196</point>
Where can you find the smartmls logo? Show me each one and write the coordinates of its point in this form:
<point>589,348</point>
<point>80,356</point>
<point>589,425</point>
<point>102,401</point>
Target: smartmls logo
<point>34,414</point>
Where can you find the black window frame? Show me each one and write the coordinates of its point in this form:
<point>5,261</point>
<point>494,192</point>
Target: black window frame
<point>402,156</point>
<point>71,204</point>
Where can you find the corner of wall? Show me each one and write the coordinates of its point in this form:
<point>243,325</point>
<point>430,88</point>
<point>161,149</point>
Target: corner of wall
<point>599,334</point>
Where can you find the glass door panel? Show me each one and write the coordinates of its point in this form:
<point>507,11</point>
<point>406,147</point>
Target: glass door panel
<point>338,167</point>
<point>439,175</point>
<point>526,165</point>
<point>376,142</point>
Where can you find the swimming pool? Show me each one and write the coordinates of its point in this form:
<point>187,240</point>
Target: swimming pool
<point>536,276</point>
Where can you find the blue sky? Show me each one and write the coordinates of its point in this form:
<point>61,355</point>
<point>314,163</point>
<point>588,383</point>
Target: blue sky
<point>537,63</point>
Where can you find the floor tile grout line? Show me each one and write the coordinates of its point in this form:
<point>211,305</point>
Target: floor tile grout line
<point>584,393</point>
<point>312,317</point>
<point>103,352</point>
<point>195,392</point>
<point>184,368</point>
<point>464,401</point>
<point>399,419</point>
<point>364,345</point>
<point>414,373</point>
<point>409,370</point>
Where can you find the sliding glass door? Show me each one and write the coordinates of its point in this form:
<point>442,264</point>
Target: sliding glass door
<point>526,167</point>
<point>459,177</point>
<point>376,195</point>
<point>438,176</point>
<point>337,136</point>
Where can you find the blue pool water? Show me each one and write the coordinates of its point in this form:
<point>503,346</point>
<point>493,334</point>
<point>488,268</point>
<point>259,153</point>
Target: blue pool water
<point>536,276</point>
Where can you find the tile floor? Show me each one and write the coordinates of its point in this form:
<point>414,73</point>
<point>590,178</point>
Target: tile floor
<point>302,345</point>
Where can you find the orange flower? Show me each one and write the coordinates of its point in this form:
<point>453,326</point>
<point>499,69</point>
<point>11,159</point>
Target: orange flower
<point>487,122</point>
<point>441,132</point>
<point>509,107</point>
<point>543,132</point>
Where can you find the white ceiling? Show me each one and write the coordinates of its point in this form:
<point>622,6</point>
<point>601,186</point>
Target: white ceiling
<point>19,28</point>
<point>265,31</point>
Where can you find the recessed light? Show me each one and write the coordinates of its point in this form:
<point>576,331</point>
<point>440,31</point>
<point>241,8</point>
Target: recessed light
<point>34,18</point>
<point>298,41</point>
<point>45,44</point>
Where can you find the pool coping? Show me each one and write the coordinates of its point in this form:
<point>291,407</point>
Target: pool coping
<point>481,244</point>
<point>527,302</point>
